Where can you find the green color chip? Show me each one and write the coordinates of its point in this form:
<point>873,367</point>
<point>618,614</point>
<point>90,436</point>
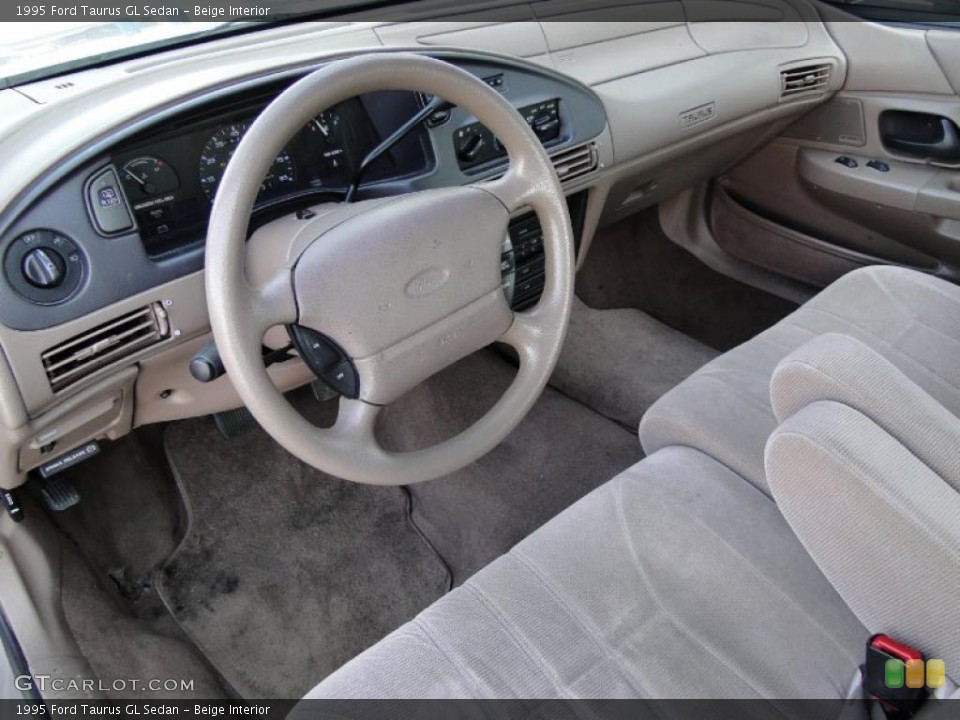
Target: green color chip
<point>894,672</point>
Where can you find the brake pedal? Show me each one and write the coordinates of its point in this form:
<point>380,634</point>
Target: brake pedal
<point>59,494</point>
<point>234,423</point>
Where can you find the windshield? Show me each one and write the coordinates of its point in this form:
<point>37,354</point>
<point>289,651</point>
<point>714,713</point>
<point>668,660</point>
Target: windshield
<point>35,50</point>
<point>27,48</point>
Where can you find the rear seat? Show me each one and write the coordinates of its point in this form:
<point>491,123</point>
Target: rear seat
<point>724,408</point>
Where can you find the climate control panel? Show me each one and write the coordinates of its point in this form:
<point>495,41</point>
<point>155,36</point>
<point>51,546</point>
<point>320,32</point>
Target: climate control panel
<point>475,145</point>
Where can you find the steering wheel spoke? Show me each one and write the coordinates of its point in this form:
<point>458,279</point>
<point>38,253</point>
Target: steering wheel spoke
<point>514,189</point>
<point>533,334</point>
<point>356,422</point>
<point>273,302</point>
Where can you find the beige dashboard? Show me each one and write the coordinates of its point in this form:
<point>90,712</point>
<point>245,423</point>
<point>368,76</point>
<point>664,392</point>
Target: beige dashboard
<point>683,101</point>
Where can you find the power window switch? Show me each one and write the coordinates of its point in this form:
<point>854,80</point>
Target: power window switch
<point>847,161</point>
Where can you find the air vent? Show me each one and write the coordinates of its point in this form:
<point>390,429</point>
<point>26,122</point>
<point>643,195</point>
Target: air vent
<point>569,163</point>
<point>808,79</point>
<point>75,359</point>
<point>574,162</point>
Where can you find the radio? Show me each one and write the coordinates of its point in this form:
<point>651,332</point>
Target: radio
<point>522,264</point>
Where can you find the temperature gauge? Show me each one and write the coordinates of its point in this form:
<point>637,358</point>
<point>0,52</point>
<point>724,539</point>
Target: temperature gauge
<point>147,176</point>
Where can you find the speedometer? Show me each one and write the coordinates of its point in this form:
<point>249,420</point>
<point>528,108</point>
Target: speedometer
<point>220,148</point>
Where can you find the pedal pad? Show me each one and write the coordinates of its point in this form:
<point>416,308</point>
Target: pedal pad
<point>322,392</point>
<point>234,423</point>
<point>59,494</point>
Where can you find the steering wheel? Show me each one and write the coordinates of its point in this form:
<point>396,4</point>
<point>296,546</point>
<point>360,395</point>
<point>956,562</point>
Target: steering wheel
<point>403,286</point>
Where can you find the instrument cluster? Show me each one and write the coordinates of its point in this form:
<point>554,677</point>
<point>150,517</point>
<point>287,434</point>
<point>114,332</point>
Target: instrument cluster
<point>170,179</point>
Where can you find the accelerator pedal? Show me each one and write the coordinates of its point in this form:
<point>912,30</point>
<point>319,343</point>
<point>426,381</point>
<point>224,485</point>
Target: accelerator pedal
<point>234,423</point>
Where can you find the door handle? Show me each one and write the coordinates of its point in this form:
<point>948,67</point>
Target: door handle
<point>946,147</point>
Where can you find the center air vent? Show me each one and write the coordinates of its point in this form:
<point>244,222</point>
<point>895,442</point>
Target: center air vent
<point>574,162</point>
<point>79,357</point>
<point>570,163</point>
<point>809,79</point>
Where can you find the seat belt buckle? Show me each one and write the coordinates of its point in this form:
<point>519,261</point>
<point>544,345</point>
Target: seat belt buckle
<point>894,675</point>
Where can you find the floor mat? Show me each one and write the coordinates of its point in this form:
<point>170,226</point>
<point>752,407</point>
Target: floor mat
<point>561,451</point>
<point>113,541</point>
<point>619,362</point>
<point>127,522</point>
<point>286,573</point>
<point>119,646</point>
<point>633,264</point>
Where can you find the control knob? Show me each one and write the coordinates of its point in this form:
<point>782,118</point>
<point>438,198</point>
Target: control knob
<point>43,267</point>
<point>469,148</point>
<point>546,127</point>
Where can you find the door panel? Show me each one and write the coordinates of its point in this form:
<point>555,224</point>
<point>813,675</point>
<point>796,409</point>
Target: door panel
<point>871,176</point>
<point>770,186</point>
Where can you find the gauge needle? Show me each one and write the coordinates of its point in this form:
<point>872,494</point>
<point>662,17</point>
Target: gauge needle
<point>321,127</point>
<point>143,183</point>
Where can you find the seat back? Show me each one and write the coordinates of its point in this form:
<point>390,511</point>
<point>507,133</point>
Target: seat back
<point>865,467</point>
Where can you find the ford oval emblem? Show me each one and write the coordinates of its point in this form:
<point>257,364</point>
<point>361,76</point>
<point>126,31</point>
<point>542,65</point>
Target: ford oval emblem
<point>427,282</point>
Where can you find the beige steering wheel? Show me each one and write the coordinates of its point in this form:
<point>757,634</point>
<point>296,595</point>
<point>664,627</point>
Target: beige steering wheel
<point>405,286</point>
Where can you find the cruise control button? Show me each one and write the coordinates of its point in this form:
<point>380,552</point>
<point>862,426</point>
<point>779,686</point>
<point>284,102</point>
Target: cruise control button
<point>342,378</point>
<point>317,351</point>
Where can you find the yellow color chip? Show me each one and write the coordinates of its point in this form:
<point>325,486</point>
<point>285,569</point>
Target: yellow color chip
<point>935,673</point>
<point>915,674</point>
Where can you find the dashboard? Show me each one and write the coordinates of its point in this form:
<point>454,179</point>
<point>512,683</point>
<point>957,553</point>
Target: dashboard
<point>109,174</point>
<point>135,215</point>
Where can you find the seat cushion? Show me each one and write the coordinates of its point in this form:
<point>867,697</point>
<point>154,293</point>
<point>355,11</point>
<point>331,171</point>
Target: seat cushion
<point>724,409</point>
<point>675,579</point>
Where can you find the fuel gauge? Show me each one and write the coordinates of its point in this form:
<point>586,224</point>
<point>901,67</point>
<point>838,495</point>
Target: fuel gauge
<point>147,176</point>
<point>327,133</point>
<point>327,124</point>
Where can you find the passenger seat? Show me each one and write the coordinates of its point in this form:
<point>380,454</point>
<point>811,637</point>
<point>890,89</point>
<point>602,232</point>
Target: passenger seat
<point>911,319</point>
<point>677,579</point>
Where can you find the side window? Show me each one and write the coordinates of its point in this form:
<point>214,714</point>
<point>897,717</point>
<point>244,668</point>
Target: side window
<point>924,12</point>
